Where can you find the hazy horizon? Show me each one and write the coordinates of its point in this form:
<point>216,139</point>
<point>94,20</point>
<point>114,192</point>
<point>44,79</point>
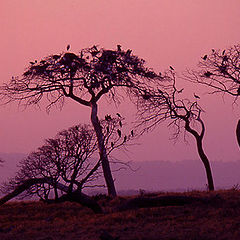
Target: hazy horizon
<point>164,33</point>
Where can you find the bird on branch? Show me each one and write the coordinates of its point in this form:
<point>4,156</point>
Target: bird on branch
<point>171,68</point>
<point>196,96</point>
<point>205,57</point>
<point>180,91</point>
<point>108,117</point>
<point>119,48</point>
<point>68,47</point>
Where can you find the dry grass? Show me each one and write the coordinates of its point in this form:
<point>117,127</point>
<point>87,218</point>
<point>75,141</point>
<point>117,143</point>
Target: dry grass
<point>219,219</point>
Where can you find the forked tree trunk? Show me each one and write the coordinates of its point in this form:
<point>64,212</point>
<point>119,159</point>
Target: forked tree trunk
<point>102,152</point>
<point>238,132</point>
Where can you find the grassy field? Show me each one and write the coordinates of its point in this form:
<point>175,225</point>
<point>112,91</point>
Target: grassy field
<point>218,219</point>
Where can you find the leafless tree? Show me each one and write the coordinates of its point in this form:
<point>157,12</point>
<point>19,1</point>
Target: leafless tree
<point>220,71</point>
<point>166,103</point>
<point>70,159</point>
<point>84,77</point>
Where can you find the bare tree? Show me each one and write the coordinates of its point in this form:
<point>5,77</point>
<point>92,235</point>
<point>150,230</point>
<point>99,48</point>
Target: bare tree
<point>220,71</point>
<point>85,78</point>
<point>68,161</point>
<point>166,103</point>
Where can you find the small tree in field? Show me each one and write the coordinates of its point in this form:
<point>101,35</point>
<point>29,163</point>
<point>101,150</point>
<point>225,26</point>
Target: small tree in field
<point>69,160</point>
<point>220,71</point>
<point>165,103</point>
<point>84,77</point>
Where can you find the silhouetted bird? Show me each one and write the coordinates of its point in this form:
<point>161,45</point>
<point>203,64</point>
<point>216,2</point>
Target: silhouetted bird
<point>208,74</point>
<point>171,68</point>
<point>119,133</point>
<point>108,118</point>
<point>223,52</point>
<point>132,133</point>
<point>129,52</point>
<point>125,139</point>
<point>181,90</point>
<point>119,48</point>
<point>112,144</point>
<point>205,57</point>
<point>120,123</point>
<point>118,114</point>
<point>68,47</point>
<point>213,50</point>
<point>196,96</point>
<point>32,63</point>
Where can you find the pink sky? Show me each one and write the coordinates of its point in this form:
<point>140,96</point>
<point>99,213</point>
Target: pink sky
<point>162,32</point>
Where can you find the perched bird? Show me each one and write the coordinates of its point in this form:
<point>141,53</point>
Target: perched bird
<point>181,90</point>
<point>132,133</point>
<point>32,63</point>
<point>223,52</point>
<point>112,144</point>
<point>196,96</point>
<point>171,68</point>
<point>68,47</point>
<point>205,57</point>
<point>118,114</point>
<point>125,139</point>
<point>108,117</point>
<point>119,133</point>
<point>213,50</point>
<point>120,123</point>
<point>208,74</point>
<point>129,52</point>
<point>119,48</point>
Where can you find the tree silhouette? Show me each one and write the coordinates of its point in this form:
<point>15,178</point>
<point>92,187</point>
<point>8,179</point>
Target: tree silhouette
<point>166,103</point>
<point>220,71</point>
<point>84,77</point>
<point>69,162</point>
